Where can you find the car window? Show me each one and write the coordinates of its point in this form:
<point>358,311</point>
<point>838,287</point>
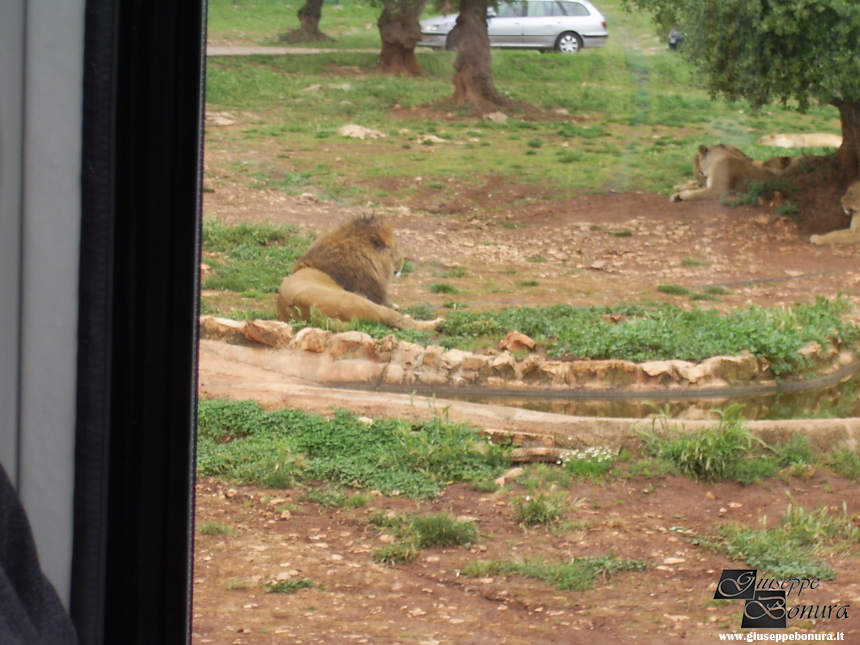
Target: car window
<point>540,9</point>
<point>571,9</point>
<point>511,10</point>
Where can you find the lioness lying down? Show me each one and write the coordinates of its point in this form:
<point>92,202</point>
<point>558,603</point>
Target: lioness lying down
<point>851,206</point>
<point>722,168</point>
<point>344,275</point>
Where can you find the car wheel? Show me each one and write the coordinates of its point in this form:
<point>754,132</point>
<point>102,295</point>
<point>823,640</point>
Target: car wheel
<point>568,43</point>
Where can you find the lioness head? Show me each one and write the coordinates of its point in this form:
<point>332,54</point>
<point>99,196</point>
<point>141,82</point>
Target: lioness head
<point>709,156</point>
<point>851,199</point>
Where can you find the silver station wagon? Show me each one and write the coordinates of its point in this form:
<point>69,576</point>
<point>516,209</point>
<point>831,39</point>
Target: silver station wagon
<point>564,25</point>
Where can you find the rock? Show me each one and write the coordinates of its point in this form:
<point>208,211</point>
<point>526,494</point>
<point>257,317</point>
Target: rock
<point>311,339</point>
<point>496,117</point>
<point>504,364</point>
<point>430,138</point>
<point>272,333</point>
<point>223,329</point>
<point>351,344</point>
<point>516,341</point>
<point>220,118</point>
<point>511,473</point>
<point>453,359</point>
<point>354,131</point>
<point>432,355</point>
<point>393,373</point>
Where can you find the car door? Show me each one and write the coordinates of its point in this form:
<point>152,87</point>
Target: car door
<point>542,23</point>
<point>505,28</point>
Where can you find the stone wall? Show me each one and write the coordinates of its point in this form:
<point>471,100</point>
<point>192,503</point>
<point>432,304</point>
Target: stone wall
<point>355,357</point>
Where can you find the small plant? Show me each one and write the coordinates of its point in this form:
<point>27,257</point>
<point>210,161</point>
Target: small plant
<point>536,259</point>
<point>577,574</point>
<point>213,528</point>
<point>720,452</point>
<point>846,462</point>
<point>673,289</point>
<point>443,529</point>
<point>442,287</point>
<point>540,507</point>
<point>695,262</point>
<point>528,283</point>
<point>456,272</point>
<point>534,143</point>
<point>288,586</point>
<point>333,498</point>
<point>789,550</point>
<point>624,233</point>
<point>418,532</point>
<point>590,463</point>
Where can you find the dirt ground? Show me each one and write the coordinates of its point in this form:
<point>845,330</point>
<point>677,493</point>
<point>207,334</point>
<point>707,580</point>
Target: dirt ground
<point>579,249</point>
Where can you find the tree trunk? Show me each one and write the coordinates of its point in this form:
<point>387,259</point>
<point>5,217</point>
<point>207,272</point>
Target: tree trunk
<point>473,79</point>
<point>848,156</point>
<point>309,20</point>
<point>400,32</point>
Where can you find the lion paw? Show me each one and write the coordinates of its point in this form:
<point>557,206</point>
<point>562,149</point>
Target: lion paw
<point>815,239</point>
<point>428,325</point>
<point>676,198</point>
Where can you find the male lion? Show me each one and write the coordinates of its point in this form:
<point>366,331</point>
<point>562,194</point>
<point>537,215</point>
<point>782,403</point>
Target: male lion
<point>722,168</point>
<point>851,206</point>
<point>345,274</point>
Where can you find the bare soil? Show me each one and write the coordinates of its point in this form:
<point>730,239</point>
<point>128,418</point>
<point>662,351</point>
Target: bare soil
<point>519,246</point>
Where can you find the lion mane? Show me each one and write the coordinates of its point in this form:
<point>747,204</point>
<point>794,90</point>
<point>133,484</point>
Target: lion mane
<point>345,274</point>
<point>851,207</point>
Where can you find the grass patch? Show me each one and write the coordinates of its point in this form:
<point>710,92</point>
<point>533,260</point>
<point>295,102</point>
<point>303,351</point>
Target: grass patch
<point>590,464</point>
<point>577,574</point>
<point>240,441</point>
<point>442,287</point>
<point>791,549</point>
<point>663,332</point>
<point>214,528</point>
<point>539,507</point>
<point>288,586</point>
<point>335,498</point>
<point>250,257</point>
<point>417,532</point>
<point>721,452</point>
<point>726,451</point>
<point>673,289</point>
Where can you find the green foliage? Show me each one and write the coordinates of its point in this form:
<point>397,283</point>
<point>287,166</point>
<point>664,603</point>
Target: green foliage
<point>724,451</point>
<point>761,51</point>
<point>442,287</point>
<point>334,498</point>
<point>791,549</point>
<point>443,530</point>
<point>577,574</point>
<point>417,532</point>
<point>250,256</point>
<point>673,289</point>
<point>846,462</point>
<point>239,441</point>
<point>590,464</point>
<point>289,586</point>
<point>663,332</point>
<point>214,528</point>
<point>539,507</point>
